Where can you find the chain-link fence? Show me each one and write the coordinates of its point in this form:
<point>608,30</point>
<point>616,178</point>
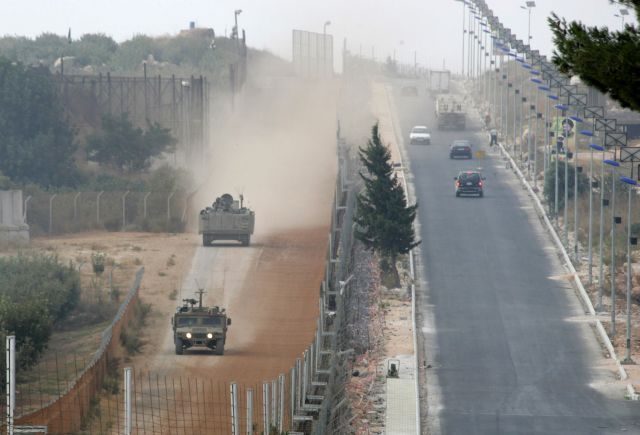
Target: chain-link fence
<point>113,211</point>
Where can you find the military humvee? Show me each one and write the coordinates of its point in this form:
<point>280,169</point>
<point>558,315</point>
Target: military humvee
<point>199,327</point>
<point>226,219</point>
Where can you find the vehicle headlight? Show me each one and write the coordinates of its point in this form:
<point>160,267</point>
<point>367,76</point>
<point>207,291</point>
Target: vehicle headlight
<point>188,335</point>
<point>209,335</point>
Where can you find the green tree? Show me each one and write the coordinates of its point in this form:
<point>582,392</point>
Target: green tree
<point>133,52</point>
<point>186,49</point>
<point>93,49</point>
<point>127,147</point>
<point>550,183</point>
<point>36,142</point>
<point>384,220</point>
<point>607,60</point>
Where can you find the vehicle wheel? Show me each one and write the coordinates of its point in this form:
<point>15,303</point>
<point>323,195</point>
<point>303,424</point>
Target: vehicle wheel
<point>219,350</point>
<point>179,349</point>
<point>481,194</point>
<point>245,240</point>
<point>457,194</point>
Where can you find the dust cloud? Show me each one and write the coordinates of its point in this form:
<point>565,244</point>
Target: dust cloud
<point>278,148</point>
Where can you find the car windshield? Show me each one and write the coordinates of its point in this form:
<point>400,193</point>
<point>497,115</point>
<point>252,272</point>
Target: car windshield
<point>461,147</point>
<point>203,321</point>
<point>461,143</point>
<point>473,177</point>
<point>420,130</point>
<point>212,321</point>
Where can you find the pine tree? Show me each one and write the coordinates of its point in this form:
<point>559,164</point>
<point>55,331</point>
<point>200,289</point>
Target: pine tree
<point>607,60</point>
<point>385,221</point>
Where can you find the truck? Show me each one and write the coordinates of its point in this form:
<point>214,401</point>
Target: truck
<point>438,81</point>
<point>226,219</point>
<point>196,326</point>
<point>450,113</point>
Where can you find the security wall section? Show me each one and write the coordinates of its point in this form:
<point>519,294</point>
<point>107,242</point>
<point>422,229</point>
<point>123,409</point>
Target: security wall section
<point>13,228</point>
<point>312,54</point>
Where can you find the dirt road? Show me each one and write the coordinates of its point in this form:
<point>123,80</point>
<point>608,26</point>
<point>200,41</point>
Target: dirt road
<point>269,290</point>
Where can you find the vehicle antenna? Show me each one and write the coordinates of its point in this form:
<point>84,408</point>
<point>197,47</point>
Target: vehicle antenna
<point>199,292</point>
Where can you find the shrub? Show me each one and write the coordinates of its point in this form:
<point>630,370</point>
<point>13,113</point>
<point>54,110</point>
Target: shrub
<point>36,291</point>
<point>98,260</point>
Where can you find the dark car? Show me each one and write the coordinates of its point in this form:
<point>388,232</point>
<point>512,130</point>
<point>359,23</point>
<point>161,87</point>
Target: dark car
<point>469,183</point>
<point>460,148</point>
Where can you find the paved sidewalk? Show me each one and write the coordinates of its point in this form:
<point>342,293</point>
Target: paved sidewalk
<point>401,400</point>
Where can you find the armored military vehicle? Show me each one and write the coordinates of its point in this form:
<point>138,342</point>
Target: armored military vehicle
<point>226,219</point>
<point>450,113</point>
<point>195,326</point>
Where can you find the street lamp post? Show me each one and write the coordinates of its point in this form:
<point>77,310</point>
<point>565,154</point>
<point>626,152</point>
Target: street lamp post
<point>516,92</point>
<point>623,13</point>
<point>556,187</point>
<point>235,16</point>
<point>565,147</point>
<point>547,159</point>
<point>534,107</point>
<point>613,165</point>
<point>469,43</point>
<point>464,31</point>
<point>576,170</point>
<point>601,237</point>
<point>528,6</point>
<point>631,184</point>
<point>324,49</point>
<point>592,147</point>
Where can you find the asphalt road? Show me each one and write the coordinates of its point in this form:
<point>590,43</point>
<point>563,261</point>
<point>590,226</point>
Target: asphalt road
<point>509,348</point>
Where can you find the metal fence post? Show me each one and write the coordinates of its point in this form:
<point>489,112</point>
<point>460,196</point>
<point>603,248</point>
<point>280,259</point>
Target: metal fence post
<point>265,407</point>
<point>305,376</point>
<point>300,394</point>
<point>26,206</point>
<point>292,393</point>
<point>274,403</point>
<point>127,401</point>
<point>98,207</point>
<point>234,409</point>
<point>75,205</point>
<point>250,411</point>
<point>124,210</point>
<point>51,198</point>
<point>113,266</point>
<point>312,359</point>
<point>281,407</point>
<point>144,202</point>
<point>10,381</point>
<point>169,206</point>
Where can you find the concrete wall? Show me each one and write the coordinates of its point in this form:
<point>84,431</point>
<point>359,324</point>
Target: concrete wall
<point>13,228</point>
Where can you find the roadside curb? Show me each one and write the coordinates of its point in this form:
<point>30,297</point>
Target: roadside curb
<point>602,333</point>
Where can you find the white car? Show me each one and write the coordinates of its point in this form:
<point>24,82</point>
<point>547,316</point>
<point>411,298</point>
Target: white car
<point>420,135</point>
